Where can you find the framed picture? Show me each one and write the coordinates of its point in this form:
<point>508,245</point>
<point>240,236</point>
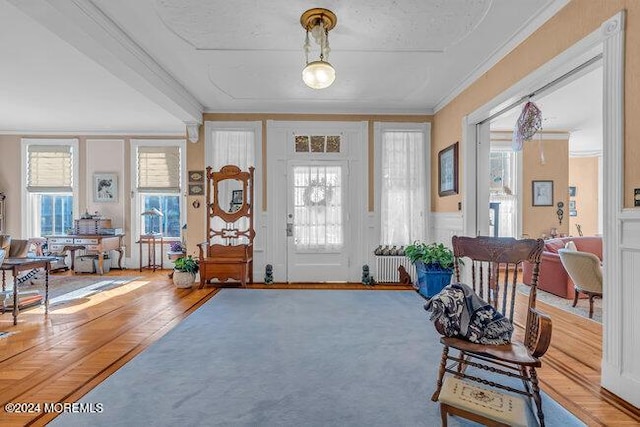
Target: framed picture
<point>448,171</point>
<point>572,205</point>
<point>196,176</point>
<point>572,191</point>
<point>105,187</point>
<point>542,193</point>
<point>236,197</point>
<point>196,189</point>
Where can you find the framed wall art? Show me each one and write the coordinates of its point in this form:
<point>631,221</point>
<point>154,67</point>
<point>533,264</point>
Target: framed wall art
<point>196,176</point>
<point>105,187</point>
<point>196,190</point>
<point>542,193</point>
<point>448,171</point>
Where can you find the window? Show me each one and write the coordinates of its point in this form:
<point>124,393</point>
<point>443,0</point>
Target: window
<point>503,195</point>
<point>403,183</point>
<point>235,143</point>
<point>233,147</point>
<point>158,185</point>
<point>50,171</point>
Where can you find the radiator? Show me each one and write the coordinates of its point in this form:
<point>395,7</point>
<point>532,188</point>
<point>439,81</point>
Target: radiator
<point>387,268</point>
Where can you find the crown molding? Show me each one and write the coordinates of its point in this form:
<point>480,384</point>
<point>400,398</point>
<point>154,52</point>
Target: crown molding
<point>86,27</point>
<point>26,133</point>
<point>520,35</point>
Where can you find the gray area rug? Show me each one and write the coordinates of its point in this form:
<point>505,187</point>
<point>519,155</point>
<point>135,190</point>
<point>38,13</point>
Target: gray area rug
<point>286,358</point>
<point>581,309</point>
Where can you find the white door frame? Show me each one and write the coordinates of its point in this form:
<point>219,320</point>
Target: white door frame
<point>280,149</point>
<point>622,226</point>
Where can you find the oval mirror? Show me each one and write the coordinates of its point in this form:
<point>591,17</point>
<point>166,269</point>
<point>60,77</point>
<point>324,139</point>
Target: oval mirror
<point>230,195</point>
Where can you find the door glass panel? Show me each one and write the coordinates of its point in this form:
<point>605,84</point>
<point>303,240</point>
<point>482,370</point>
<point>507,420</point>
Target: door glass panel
<point>317,205</point>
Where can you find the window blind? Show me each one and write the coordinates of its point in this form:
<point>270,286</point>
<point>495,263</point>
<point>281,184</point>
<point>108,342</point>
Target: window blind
<point>158,169</point>
<point>49,168</point>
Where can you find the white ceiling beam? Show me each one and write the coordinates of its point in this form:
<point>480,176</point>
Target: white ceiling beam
<point>87,28</point>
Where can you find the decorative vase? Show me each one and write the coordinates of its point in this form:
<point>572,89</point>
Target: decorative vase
<point>183,279</point>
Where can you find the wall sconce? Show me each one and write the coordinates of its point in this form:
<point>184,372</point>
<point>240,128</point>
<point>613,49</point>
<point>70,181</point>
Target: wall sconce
<point>318,74</point>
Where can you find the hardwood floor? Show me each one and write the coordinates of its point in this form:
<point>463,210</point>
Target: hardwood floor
<point>60,358</point>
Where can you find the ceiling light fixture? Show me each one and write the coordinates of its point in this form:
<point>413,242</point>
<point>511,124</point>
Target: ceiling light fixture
<point>318,74</point>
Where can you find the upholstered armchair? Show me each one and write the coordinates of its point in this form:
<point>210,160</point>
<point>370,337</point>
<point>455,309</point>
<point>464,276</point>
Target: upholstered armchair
<point>585,271</point>
<point>553,276</point>
<point>15,248</point>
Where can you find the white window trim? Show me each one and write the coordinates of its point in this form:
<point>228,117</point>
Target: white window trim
<point>135,208</point>
<point>378,129</point>
<point>25,143</point>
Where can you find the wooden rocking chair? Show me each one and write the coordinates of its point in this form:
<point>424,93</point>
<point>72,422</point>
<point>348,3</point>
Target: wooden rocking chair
<point>228,251</point>
<point>494,275</point>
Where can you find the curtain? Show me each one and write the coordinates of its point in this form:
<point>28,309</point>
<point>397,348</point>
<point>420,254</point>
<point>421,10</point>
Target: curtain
<point>403,188</point>
<point>233,147</point>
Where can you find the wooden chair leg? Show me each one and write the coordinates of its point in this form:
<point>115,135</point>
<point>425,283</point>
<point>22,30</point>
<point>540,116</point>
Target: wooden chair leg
<point>443,414</point>
<point>591,306</point>
<point>443,365</point>
<point>536,394</point>
<point>575,297</point>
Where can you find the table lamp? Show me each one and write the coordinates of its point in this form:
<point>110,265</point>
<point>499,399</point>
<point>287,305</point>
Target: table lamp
<point>152,212</point>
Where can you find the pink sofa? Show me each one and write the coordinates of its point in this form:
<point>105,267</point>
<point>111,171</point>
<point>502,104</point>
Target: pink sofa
<point>553,277</point>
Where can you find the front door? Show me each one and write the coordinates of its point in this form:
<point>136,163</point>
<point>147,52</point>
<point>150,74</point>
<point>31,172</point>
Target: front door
<point>316,226</point>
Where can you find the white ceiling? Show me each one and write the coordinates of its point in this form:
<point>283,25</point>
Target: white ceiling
<point>151,65</point>
<point>575,107</point>
<point>47,85</point>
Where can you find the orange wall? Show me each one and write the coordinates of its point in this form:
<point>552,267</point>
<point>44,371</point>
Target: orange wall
<point>583,174</point>
<point>574,22</point>
<point>538,220</point>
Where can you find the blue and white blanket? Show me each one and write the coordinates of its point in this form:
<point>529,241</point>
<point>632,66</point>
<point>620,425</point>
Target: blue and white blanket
<point>463,314</point>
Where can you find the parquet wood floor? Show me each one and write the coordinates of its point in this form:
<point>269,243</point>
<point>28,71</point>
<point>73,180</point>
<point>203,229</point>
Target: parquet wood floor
<point>61,357</point>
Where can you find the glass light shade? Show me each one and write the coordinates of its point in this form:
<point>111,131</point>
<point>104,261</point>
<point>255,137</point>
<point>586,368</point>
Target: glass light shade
<point>318,74</point>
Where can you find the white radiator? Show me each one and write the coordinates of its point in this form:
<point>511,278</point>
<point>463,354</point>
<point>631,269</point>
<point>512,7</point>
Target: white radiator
<point>387,268</point>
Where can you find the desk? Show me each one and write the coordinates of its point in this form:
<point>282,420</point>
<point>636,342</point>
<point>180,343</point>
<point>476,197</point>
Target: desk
<point>99,243</point>
<point>15,266</point>
<point>151,240</point>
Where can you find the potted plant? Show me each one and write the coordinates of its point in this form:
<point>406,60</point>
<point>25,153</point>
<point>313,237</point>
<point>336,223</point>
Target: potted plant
<point>184,271</point>
<point>434,266</point>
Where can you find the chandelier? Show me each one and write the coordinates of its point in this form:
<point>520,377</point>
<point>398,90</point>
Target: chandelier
<point>318,74</point>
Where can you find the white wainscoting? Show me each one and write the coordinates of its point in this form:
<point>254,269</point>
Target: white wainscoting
<point>445,225</point>
<point>620,370</point>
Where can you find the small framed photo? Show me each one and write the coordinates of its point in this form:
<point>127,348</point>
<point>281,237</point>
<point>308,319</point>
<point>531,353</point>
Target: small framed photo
<point>105,187</point>
<point>196,189</point>
<point>236,197</point>
<point>572,205</point>
<point>572,191</point>
<point>448,171</point>
<point>196,176</point>
<point>542,193</point>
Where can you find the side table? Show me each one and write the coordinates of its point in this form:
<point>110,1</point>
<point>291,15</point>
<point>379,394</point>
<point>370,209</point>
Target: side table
<point>151,241</point>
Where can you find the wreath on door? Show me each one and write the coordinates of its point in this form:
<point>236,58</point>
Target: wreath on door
<point>317,193</point>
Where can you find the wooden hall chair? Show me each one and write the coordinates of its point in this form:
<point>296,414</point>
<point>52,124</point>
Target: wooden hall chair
<point>494,269</point>
<point>228,251</point>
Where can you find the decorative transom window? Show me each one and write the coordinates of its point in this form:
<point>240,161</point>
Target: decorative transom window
<point>317,143</point>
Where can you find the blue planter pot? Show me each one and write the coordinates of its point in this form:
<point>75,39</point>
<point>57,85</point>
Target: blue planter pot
<point>431,278</point>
